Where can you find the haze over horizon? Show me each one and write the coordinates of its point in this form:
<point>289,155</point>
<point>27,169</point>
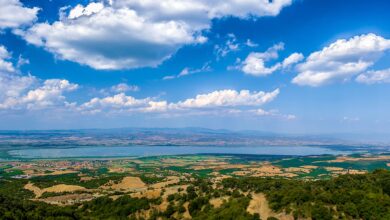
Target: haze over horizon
<point>283,66</point>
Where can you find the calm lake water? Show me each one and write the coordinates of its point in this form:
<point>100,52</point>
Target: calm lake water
<point>138,151</point>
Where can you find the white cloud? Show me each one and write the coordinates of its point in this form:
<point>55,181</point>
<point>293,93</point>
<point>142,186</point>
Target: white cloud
<point>11,83</point>
<point>255,62</point>
<point>47,95</point>
<point>22,61</point>
<point>147,32</point>
<point>14,15</point>
<point>374,76</point>
<point>4,64</point>
<point>349,119</point>
<point>119,102</point>
<point>27,92</point>
<point>12,86</point>
<point>250,43</point>
<point>89,40</point>
<point>198,12</point>
<point>230,45</point>
<point>159,106</point>
<point>79,10</point>
<point>292,59</point>
<point>274,113</point>
<point>188,71</point>
<point>341,60</point>
<point>218,103</point>
<point>221,100</point>
<point>255,65</point>
<point>123,87</point>
<point>184,72</point>
<point>169,77</point>
<point>226,98</point>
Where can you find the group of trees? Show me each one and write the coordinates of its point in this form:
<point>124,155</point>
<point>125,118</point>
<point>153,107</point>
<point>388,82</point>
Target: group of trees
<point>100,208</point>
<point>74,178</point>
<point>365,196</point>
<point>198,195</point>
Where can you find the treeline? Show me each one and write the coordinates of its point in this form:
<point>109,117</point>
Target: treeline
<point>364,196</point>
<point>100,208</point>
<point>198,197</point>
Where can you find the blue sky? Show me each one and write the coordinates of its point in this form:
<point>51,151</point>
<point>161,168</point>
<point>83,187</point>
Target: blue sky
<point>303,66</point>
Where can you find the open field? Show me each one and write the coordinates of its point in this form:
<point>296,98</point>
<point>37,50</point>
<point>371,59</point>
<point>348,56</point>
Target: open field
<point>176,186</point>
<point>165,170</point>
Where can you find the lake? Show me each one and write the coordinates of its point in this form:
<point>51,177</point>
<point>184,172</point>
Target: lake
<point>142,151</point>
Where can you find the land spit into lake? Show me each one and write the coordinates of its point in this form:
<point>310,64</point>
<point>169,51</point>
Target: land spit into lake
<point>200,186</point>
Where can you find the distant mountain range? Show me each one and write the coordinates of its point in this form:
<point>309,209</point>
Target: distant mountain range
<point>169,136</point>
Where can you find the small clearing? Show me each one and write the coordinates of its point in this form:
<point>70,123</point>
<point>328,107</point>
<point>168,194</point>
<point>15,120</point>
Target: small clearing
<point>334,168</point>
<point>36,190</point>
<point>56,189</point>
<point>217,202</point>
<point>170,180</point>
<point>259,204</point>
<point>64,188</point>
<point>128,183</point>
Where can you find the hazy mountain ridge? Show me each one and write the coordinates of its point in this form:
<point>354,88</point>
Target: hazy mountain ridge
<point>162,136</point>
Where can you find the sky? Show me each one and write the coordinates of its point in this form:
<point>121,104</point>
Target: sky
<point>288,66</point>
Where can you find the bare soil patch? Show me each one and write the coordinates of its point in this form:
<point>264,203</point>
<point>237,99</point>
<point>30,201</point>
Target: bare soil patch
<point>367,158</point>
<point>217,202</point>
<point>333,169</point>
<point>128,183</point>
<point>170,180</point>
<point>259,204</point>
<point>36,190</point>
<point>64,188</point>
<point>150,194</point>
<point>297,169</point>
<point>309,167</point>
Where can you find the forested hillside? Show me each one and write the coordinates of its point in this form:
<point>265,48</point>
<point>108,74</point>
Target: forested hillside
<point>365,196</point>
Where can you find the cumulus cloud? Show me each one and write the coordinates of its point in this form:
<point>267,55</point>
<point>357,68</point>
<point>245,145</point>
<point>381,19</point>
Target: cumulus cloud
<point>18,91</point>
<point>49,94</point>
<point>218,103</point>
<point>292,59</point>
<point>4,64</point>
<point>217,100</point>
<point>79,10</point>
<point>255,62</point>
<point>11,83</point>
<point>147,32</point>
<point>119,102</point>
<point>341,60</point>
<point>26,92</point>
<point>374,77</point>
<point>223,98</point>
<point>13,14</point>
<point>12,86</point>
